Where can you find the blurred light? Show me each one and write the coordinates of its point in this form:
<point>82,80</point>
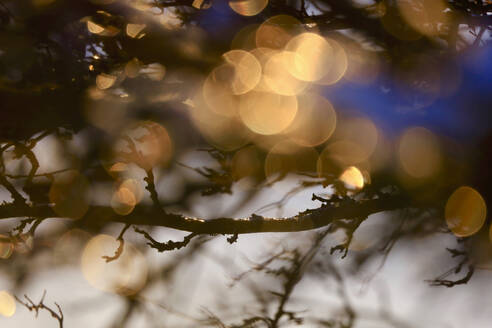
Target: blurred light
<point>424,16</point>
<point>217,91</point>
<point>126,275</point>
<point>267,113</point>
<point>154,71</point>
<point>277,76</point>
<point>24,243</point>
<point>247,71</point>
<point>362,65</point>
<point>352,178</point>
<point>94,28</point>
<point>465,212</point>
<point>133,30</point>
<point>276,31</point>
<point>7,304</point>
<point>201,4</point>
<point>314,122</point>
<point>362,133</point>
<point>105,81</point>
<point>248,7</point>
<point>224,132</point>
<point>419,153</point>
<point>145,143</point>
<point>6,247</point>
<point>132,68</point>
<point>126,196</point>
<point>339,64</point>
<point>312,57</point>
<point>69,193</point>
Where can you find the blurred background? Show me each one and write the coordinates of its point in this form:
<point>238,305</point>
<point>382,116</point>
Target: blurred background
<point>245,110</point>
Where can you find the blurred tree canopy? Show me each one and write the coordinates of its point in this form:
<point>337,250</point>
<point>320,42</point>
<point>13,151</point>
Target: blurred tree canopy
<point>125,120</point>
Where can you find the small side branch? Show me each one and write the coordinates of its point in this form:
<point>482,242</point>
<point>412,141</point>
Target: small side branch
<point>167,246</point>
<point>119,250</point>
<point>31,306</point>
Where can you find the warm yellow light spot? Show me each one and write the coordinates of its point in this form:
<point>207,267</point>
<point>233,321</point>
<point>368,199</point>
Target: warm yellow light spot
<point>427,17</point>
<point>312,57</point>
<point>126,196</point>
<point>247,71</point>
<point>69,194</point>
<point>217,92</point>
<point>94,28</point>
<point>7,304</point>
<point>201,4</point>
<point>123,201</point>
<point>267,113</point>
<point>133,30</point>
<point>339,64</point>
<point>277,76</point>
<point>315,121</point>
<point>465,212</point>
<point>117,169</point>
<point>288,157</point>
<point>105,81</point>
<point>145,143</point>
<point>169,19</point>
<point>248,7</point>
<point>101,30</point>
<point>276,31</point>
<point>419,153</point>
<point>226,132</point>
<point>361,132</point>
<point>6,247</point>
<point>126,276</point>
<point>352,178</point>
<point>154,71</point>
<point>91,67</point>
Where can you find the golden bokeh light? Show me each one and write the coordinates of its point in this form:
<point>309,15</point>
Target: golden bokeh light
<point>426,17</point>
<point>145,143</point>
<point>154,71</point>
<point>126,275</point>
<point>105,81</point>
<point>98,29</point>
<point>69,194</point>
<point>267,113</point>
<point>217,91</point>
<point>224,132</point>
<point>277,76</point>
<point>276,31</point>
<point>288,157</point>
<point>248,7</point>
<point>338,155</point>
<point>312,57</point>
<point>6,247</point>
<point>134,30</point>
<point>419,153</point>
<point>7,304</point>
<point>465,212</point>
<point>361,132</point>
<point>352,178</point>
<point>315,121</point>
<point>339,64</point>
<point>247,71</point>
<point>126,196</point>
